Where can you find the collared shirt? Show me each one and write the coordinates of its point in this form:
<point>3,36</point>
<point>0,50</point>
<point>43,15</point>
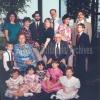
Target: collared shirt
<point>58,47</point>
<point>57,22</point>
<point>7,57</point>
<point>37,22</point>
<point>82,21</point>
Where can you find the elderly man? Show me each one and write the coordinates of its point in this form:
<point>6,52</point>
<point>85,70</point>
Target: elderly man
<point>57,49</point>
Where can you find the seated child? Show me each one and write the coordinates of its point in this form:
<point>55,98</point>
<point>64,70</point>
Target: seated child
<point>51,82</point>
<point>41,72</point>
<point>70,86</point>
<point>31,80</point>
<point>13,83</point>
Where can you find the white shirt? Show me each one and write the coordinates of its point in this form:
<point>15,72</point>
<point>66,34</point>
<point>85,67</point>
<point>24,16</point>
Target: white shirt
<point>57,22</point>
<point>37,22</point>
<point>58,47</point>
<point>80,33</point>
<point>5,59</point>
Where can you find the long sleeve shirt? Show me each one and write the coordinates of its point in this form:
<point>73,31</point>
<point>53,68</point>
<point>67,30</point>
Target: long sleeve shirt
<point>22,54</point>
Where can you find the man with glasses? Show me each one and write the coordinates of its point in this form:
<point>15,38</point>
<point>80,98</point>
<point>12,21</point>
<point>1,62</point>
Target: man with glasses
<point>57,49</point>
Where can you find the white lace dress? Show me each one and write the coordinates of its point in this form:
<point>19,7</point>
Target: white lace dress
<point>71,87</point>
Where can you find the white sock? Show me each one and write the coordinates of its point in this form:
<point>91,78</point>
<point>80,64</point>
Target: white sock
<point>28,94</point>
<point>52,96</point>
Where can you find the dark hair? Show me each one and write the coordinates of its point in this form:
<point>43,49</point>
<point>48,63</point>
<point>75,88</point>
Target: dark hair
<point>9,14</point>
<point>8,43</point>
<point>55,61</point>
<point>41,62</point>
<point>81,24</point>
<point>15,70</point>
<point>36,12</point>
<point>52,10</point>
<point>70,68</point>
<point>47,19</point>
<point>82,11</point>
<point>30,67</point>
<point>65,16</point>
<point>26,19</point>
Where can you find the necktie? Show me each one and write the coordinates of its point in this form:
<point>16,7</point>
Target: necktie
<point>37,25</point>
<point>78,37</point>
<point>57,51</point>
<point>53,24</point>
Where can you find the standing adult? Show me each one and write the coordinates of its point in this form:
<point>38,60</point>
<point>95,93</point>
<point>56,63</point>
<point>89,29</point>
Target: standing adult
<point>55,21</point>
<point>11,27</point>
<point>66,32</point>
<point>23,53</point>
<point>25,30</point>
<point>81,19</point>
<point>48,30</point>
<point>36,28</point>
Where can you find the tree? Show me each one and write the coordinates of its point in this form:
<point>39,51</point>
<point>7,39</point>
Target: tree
<point>13,5</point>
<point>74,5</point>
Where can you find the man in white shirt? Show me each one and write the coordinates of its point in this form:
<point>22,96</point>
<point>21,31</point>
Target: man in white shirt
<point>55,21</point>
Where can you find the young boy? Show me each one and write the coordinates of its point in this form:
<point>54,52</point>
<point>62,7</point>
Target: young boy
<point>8,59</point>
<point>82,51</point>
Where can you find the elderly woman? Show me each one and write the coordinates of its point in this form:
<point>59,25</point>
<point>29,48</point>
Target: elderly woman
<point>26,31</point>
<point>23,53</point>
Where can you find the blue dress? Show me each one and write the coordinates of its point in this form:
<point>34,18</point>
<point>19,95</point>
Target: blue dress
<point>23,53</point>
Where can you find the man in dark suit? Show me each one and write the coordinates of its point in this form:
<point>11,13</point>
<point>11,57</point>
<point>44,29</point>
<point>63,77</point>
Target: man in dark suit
<point>81,51</point>
<point>57,49</point>
<point>36,28</point>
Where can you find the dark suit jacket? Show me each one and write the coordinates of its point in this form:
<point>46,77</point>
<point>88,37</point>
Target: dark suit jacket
<point>37,33</point>
<point>64,50</point>
<point>82,45</point>
<point>48,33</point>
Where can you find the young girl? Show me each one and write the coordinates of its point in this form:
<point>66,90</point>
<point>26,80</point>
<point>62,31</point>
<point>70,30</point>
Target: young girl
<point>41,72</point>
<point>13,83</point>
<point>32,80</point>
<point>51,83</point>
<point>8,57</point>
<point>70,86</point>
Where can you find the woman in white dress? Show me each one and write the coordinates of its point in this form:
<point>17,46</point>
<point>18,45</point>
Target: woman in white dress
<point>70,86</point>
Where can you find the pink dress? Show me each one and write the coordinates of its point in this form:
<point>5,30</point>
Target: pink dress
<point>31,83</point>
<point>65,31</point>
<point>51,83</point>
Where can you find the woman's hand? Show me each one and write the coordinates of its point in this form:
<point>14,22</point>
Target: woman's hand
<point>28,62</point>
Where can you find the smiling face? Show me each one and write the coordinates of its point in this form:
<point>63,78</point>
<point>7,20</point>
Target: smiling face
<point>37,17</point>
<point>22,39</point>
<point>53,14</point>
<point>15,75</point>
<point>40,67</point>
<point>10,47</point>
<point>55,65</point>
<point>80,29</point>
<point>30,71</point>
<point>81,16</point>
<point>57,38</point>
<point>47,23</point>
<point>66,21</point>
<point>69,73</point>
<point>12,18</point>
<point>27,23</point>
